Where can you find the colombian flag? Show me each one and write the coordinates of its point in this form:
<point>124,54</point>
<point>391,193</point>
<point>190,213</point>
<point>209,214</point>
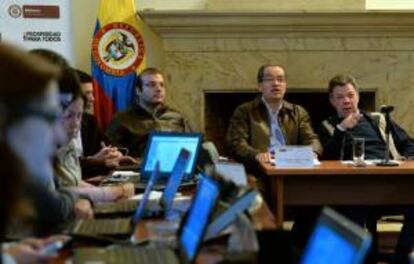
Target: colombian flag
<point>118,52</point>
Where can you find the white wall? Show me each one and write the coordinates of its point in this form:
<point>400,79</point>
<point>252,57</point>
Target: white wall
<point>84,14</point>
<point>170,4</point>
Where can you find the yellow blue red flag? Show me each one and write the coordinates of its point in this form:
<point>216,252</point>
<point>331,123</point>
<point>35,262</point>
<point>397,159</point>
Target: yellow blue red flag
<point>118,51</point>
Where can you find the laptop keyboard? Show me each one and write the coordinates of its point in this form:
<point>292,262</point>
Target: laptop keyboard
<point>125,255</point>
<point>119,207</point>
<point>159,256</point>
<point>103,226</point>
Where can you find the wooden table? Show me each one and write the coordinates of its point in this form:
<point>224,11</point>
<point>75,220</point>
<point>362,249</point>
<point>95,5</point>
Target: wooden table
<point>334,183</point>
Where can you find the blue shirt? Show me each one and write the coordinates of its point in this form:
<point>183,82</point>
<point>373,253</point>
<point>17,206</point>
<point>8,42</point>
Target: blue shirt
<point>276,136</point>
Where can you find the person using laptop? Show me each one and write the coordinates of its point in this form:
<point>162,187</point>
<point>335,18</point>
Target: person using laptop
<point>67,166</point>
<point>337,133</point>
<point>98,157</point>
<point>30,205</point>
<point>87,90</point>
<point>150,112</point>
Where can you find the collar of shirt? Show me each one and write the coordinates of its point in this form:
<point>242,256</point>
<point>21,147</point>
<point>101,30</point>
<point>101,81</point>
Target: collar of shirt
<point>78,143</point>
<point>272,113</point>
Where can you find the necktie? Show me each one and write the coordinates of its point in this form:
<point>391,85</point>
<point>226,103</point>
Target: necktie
<point>280,140</point>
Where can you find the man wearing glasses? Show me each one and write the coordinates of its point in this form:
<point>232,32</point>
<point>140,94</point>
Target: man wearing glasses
<point>258,126</point>
<point>131,127</point>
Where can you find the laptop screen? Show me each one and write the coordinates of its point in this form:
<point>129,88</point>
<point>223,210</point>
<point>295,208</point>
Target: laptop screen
<point>336,239</point>
<point>198,216</point>
<point>165,147</point>
<point>175,179</point>
<point>141,204</point>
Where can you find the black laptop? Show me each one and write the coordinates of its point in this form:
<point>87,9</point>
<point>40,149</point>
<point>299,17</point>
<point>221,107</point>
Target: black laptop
<point>160,206</point>
<point>190,236</point>
<point>335,239</point>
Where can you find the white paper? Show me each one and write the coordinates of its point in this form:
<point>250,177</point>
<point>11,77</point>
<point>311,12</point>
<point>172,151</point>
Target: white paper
<point>294,157</point>
<point>126,173</point>
<point>154,195</point>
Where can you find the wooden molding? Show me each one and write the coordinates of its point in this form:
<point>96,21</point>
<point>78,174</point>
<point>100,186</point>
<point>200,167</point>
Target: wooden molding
<point>204,24</point>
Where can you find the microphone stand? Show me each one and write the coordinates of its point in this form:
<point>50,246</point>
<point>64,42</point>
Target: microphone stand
<point>386,162</point>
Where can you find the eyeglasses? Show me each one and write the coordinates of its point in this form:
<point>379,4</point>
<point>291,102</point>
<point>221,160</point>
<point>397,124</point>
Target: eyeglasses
<point>279,79</point>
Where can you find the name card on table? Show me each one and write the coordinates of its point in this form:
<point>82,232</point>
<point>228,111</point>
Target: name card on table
<point>294,157</point>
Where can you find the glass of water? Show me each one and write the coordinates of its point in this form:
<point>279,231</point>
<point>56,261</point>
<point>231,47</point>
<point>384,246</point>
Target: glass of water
<point>358,151</point>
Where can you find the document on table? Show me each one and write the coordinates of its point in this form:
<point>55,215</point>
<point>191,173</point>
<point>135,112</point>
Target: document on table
<point>295,157</point>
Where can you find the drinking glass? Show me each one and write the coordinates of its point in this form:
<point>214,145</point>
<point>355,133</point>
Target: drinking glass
<point>358,151</point>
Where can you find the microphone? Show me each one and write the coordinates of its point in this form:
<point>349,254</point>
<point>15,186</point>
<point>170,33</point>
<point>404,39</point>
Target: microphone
<point>386,109</point>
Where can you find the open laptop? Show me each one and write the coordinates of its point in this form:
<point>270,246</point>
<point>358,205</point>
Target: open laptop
<point>164,204</point>
<point>227,213</point>
<point>165,147</point>
<point>190,235</point>
<point>119,226</point>
<point>335,239</point>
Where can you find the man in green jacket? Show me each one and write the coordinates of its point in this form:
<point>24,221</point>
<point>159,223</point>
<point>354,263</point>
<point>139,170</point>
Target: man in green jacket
<point>258,126</point>
<point>131,127</point>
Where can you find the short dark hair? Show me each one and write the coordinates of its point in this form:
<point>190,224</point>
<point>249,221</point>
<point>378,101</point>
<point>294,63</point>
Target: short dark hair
<point>84,77</point>
<point>260,72</point>
<point>69,84</point>
<point>150,71</point>
<point>341,80</point>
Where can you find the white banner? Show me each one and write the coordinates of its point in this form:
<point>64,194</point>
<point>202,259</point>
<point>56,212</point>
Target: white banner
<point>35,24</point>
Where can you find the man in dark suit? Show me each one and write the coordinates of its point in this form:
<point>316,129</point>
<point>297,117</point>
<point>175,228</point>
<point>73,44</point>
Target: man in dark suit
<point>338,132</point>
<point>99,157</point>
